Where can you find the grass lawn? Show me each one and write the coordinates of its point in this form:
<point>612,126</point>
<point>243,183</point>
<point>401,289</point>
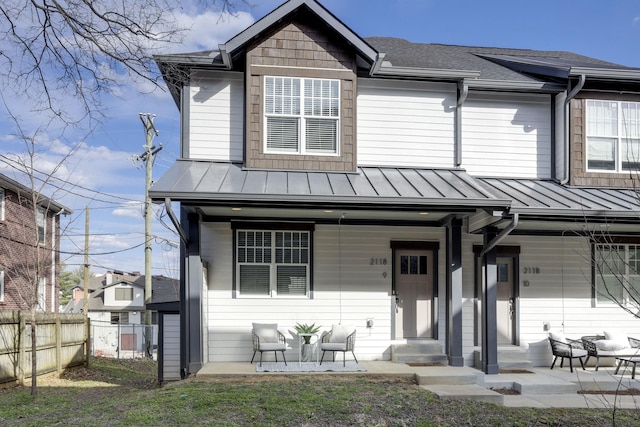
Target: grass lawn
<point>125,393</point>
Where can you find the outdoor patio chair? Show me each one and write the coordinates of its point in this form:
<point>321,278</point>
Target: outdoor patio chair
<point>267,337</point>
<point>566,348</point>
<point>340,338</point>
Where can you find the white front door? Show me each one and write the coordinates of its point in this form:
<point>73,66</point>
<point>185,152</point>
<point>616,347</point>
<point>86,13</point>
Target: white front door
<point>414,293</point>
<point>505,304</point>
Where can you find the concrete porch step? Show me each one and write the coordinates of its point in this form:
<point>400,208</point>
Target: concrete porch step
<point>446,375</point>
<point>466,392</point>
<point>509,358</point>
<point>421,358</point>
<point>419,351</point>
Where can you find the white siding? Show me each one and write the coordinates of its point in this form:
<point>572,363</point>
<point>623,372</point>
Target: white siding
<point>560,294</point>
<point>216,116</point>
<point>349,291</point>
<point>171,347</point>
<point>507,135</point>
<point>405,123</point>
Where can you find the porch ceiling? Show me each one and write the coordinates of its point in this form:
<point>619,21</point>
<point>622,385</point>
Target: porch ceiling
<point>210,184</point>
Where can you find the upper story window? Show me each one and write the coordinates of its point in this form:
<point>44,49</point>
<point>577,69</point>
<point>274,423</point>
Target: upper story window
<point>1,284</point>
<point>613,136</point>
<point>42,286</point>
<point>302,115</point>
<point>273,263</point>
<point>42,225</point>
<point>617,274</point>
<point>124,294</point>
<point>1,204</point>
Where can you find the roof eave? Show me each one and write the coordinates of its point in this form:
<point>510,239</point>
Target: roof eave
<point>606,74</point>
<point>507,85</point>
<point>284,200</point>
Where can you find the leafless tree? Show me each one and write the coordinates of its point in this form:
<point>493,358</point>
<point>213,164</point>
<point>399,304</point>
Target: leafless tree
<point>56,51</point>
<point>59,57</point>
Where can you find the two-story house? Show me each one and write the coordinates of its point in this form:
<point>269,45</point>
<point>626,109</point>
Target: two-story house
<point>420,192</point>
<point>117,309</point>
<point>29,248</point>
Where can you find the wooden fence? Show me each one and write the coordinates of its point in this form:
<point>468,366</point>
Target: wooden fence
<point>62,340</point>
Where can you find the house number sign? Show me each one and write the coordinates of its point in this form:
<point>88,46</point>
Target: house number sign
<point>377,261</point>
<point>531,270</point>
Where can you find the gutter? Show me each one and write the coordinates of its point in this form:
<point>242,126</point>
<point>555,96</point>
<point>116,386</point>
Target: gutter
<point>567,126</point>
<point>226,57</point>
<point>176,223</point>
<point>463,92</point>
<point>504,233</point>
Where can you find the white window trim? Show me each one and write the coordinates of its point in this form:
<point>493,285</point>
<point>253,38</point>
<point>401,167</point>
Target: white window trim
<point>601,299</point>
<point>41,211</point>
<point>42,293</point>
<point>2,203</point>
<point>302,122</point>
<point>273,292</point>
<point>619,137</point>
<point>1,284</point>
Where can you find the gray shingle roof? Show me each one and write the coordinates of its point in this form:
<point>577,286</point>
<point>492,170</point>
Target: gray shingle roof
<point>402,53</point>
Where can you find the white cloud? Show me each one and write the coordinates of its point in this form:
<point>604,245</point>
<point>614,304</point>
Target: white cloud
<point>130,210</point>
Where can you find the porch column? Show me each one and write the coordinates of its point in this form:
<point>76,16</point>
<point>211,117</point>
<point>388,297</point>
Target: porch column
<point>489,307</point>
<point>454,293</point>
<point>190,297</point>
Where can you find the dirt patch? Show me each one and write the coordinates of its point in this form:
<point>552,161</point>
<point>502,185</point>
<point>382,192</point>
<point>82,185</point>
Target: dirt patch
<point>506,391</point>
<point>515,371</point>
<point>626,392</point>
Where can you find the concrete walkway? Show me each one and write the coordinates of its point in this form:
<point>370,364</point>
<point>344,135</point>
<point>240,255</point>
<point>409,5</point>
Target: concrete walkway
<point>542,388</point>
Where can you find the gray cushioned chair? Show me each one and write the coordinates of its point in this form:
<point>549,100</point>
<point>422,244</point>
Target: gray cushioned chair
<point>267,337</point>
<point>340,338</point>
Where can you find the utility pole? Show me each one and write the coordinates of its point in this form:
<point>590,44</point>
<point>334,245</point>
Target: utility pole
<point>149,152</point>
<point>85,302</point>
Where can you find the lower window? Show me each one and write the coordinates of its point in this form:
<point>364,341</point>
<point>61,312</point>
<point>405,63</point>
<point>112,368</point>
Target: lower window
<point>617,277</point>
<point>272,263</point>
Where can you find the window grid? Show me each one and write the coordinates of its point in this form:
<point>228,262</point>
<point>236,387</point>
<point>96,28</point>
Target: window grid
<point>284,274</point>
<point>617,274</point>
<point>613,136</point>
<point>292,129</point>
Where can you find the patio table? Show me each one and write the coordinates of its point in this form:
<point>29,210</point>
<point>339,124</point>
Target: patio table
<point>301,343</point>
<point>626,360</point>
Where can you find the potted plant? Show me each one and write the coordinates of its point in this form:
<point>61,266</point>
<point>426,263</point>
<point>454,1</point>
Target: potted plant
<point>305,328</point>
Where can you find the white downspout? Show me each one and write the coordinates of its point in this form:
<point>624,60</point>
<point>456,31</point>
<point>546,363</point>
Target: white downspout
<point>567,127</point>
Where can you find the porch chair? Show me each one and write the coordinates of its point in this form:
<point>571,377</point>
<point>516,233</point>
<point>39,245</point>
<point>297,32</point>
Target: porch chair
<point>566,348</point>
<point>267,337</point>
<point>340,338</point>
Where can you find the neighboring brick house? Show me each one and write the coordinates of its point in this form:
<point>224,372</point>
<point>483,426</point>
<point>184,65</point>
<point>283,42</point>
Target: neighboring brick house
<point>424,193</point>
<point>29,248</point>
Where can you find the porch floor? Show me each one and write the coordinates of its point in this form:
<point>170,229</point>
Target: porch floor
<point>542,388</point>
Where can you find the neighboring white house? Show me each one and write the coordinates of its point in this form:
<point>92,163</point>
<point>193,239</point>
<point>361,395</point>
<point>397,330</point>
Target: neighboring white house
<point>439,193</point>
<point>116,307</point>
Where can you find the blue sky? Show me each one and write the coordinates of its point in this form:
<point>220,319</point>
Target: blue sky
<point>107,180</point>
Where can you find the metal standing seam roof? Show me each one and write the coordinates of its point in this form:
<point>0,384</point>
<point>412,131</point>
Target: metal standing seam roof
<point>212,182</point>
<point>544,197</point>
